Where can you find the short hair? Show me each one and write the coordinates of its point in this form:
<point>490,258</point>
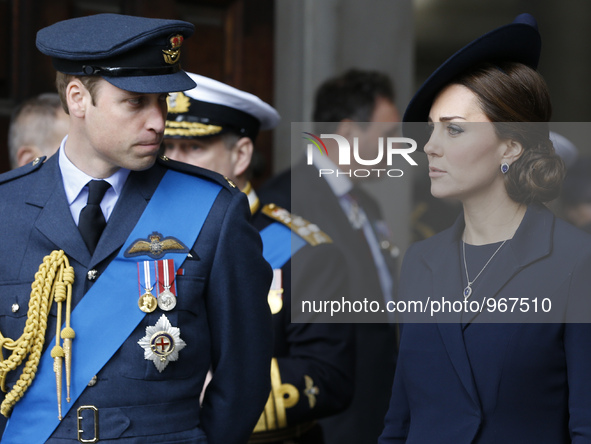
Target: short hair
<point>511,94</point>
<point>62,80</point>
<point>39,112</point>
<point>351,95</point>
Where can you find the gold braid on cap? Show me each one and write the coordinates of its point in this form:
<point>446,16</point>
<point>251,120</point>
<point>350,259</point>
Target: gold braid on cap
<point>190,129</point>
<point>53,281</point>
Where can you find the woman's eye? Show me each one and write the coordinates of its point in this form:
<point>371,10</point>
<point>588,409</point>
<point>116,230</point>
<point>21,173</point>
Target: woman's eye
<point>454,130</point>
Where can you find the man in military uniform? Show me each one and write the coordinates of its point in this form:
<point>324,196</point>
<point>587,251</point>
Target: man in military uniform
<point>149,302</point>
<point>357,104</point>
<point>215,126</point>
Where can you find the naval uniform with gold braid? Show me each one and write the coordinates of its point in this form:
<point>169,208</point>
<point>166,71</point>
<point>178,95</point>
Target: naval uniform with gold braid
<point>313,363</point>
<point>220,295</point>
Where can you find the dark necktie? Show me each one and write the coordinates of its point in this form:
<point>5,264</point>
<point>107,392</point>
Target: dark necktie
<point>92,221</point>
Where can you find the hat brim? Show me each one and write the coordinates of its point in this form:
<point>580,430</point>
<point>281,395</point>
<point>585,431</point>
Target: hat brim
<point>164,83</point>
<point>519,41</point>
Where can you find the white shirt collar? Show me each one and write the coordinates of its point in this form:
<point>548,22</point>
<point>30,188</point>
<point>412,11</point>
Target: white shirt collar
<point>341,184</point>
<point>75,180</point>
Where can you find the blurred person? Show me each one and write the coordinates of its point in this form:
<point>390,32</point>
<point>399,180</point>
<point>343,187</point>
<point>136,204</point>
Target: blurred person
<point>565,149</point>
<point>215,126</point>
<point>37,127</point>
<point>575,198</point>
<point>357,105</point>
<point>494,376</point>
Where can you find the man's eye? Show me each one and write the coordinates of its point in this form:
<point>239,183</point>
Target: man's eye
<point>136,101</point>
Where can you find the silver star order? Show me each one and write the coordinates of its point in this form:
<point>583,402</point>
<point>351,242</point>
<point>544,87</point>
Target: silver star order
<point>162,326</point>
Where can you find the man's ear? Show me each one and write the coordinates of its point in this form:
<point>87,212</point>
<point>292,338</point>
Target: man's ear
<point>346,128</point>
<point>78,98</point>
<point>242,155</point>
<point>26,154</point>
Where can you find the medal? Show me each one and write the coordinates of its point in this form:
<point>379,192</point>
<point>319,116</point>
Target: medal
<point>275,297</point>
<point>167,289</point>
<point>162,343</point>
<point>147,302</point>
<point>166,300</point>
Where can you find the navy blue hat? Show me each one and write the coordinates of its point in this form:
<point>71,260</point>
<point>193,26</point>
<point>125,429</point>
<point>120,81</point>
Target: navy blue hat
<point>214,108</point>
<point>516,42</point>
<point>136,54</point>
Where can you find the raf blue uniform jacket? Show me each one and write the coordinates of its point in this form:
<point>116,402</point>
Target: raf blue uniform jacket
<point>222,311</point>
<point>522,382</point>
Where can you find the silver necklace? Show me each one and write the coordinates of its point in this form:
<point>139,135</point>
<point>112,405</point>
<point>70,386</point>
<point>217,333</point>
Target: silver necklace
<point>468,290</point>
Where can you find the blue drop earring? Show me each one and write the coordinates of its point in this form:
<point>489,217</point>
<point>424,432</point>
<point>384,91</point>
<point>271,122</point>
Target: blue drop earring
<point>504,167</point>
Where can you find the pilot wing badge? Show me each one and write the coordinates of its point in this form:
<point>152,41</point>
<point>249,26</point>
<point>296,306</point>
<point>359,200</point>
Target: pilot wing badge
<point>155,246</point>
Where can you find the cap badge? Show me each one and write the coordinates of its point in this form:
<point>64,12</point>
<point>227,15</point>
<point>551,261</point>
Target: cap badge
<point>172,55</point>
<point>178,103</point>
<point>156,246</point>
<point>162,343</point>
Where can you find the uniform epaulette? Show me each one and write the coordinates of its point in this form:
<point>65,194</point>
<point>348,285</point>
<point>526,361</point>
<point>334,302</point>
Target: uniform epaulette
<point>303,228</point>
<point>197,171</point>
<point>22,171</point>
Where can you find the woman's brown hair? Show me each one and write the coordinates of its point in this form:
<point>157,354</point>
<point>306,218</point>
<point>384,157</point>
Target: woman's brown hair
<point>516,98</point>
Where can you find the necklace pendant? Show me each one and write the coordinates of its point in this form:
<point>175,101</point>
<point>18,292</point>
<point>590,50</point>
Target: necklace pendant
<point>467,292</point>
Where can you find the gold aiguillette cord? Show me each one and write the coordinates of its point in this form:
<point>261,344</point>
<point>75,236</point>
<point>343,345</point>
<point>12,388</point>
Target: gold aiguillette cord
<point>53,281</point>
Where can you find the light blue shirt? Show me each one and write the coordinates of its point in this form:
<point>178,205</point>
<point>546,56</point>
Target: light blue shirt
<point>76,190</point>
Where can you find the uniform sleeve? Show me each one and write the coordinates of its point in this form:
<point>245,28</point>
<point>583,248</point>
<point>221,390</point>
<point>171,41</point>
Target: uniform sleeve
<point>316,358</point>
<point>240,327</point>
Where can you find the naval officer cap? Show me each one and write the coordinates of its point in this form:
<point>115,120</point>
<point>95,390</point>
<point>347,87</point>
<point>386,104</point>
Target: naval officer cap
<point>214,108</point>
<point>136,54</point>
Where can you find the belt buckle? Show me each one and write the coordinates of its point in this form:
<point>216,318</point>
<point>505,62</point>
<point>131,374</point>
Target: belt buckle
<point>79,423</point>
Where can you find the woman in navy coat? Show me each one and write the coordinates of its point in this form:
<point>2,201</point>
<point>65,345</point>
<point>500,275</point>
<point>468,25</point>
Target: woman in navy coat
<point>513,365</point>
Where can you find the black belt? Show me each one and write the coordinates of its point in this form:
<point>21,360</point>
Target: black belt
<point>91,423</point>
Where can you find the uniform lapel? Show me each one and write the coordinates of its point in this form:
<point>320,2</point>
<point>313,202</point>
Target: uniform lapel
<point>56,223</point>
<point>136,194</point>
<point>55,220</point>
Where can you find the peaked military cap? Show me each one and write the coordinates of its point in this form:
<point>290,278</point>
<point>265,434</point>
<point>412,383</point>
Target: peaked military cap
<point>136,54</point>
<point>214,108</point>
